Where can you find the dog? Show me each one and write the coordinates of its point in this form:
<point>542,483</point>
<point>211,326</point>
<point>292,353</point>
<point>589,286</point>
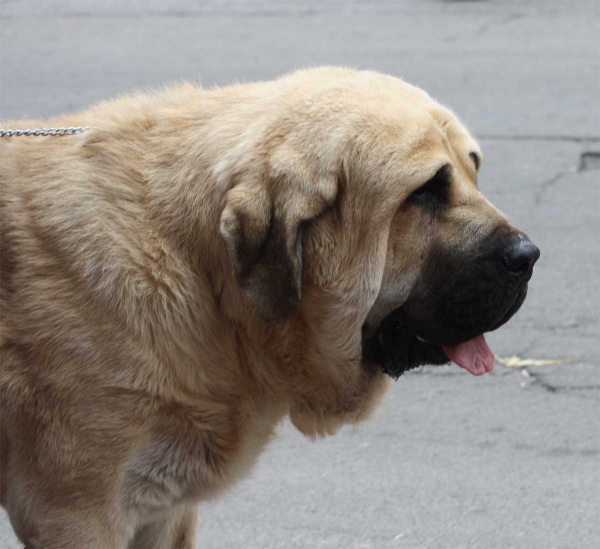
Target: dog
<point>201,264</point>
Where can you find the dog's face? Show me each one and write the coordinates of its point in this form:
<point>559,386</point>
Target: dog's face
<point>377,234</point>
<point>455,267</point>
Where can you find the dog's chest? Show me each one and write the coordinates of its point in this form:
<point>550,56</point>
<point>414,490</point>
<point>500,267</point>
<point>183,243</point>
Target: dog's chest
<point>192,466</point>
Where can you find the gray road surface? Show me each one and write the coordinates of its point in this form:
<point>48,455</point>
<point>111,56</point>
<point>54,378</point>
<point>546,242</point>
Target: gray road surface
<point>510,460</point>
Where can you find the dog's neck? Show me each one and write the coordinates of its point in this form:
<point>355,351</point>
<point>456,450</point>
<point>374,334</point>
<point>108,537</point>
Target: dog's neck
<point>191,161</point>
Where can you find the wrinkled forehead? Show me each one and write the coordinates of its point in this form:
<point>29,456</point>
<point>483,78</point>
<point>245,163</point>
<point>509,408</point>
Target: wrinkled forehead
<point>418,136</point>
<point>457,135</point>
<point>375,119</point>
<point>435,117</point>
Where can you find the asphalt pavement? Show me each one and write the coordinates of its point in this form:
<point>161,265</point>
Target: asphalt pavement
<point>507,461</point>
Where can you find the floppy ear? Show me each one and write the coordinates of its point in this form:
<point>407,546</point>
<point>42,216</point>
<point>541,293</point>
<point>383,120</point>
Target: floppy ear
<point>262,226</point>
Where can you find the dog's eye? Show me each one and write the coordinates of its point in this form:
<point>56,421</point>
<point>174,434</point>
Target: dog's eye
<point>421,192</point>
<point>434,192</point>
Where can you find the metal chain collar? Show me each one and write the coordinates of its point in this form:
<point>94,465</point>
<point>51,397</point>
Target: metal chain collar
<point>71,130</point>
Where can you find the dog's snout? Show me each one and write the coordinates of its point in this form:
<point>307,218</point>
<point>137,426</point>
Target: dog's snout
<point>519,254</point>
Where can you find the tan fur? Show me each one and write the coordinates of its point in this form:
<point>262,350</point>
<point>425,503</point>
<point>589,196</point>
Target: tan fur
<point>159,314</point>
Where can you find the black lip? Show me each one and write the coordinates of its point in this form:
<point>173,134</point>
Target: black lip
<point>439,334</point>
<point>435,334</point>
<point>396,349</point>
<point>522,294</point>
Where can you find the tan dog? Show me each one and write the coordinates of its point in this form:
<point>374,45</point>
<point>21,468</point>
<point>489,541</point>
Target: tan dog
<point>203,263</point>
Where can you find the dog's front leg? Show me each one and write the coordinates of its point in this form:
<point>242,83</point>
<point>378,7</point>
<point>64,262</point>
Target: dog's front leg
<point>177,530</point>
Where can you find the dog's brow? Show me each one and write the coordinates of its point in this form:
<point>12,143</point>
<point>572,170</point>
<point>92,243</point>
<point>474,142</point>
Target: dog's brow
<point>445,169</point>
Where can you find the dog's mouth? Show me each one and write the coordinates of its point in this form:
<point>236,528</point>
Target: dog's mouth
<point>403,343</point>
<point>397,349</point>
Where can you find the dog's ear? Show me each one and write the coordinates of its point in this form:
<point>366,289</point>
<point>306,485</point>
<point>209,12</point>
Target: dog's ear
<point>262,226</point>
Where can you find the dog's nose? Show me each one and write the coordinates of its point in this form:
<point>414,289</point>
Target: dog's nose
<point>519,255</point>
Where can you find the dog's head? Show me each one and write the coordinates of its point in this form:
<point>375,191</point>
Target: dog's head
<point>365,222</point>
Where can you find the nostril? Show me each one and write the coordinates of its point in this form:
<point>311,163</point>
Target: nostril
<point>516,266</point>
<point>519,257</point>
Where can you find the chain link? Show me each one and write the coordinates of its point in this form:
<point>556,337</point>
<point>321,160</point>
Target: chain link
<point>71,130</point>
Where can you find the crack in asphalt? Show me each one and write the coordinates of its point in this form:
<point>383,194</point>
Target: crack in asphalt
<point>545,185</point>
<point>243,9</point>
<point>540,381</point>
<point>486,27</point>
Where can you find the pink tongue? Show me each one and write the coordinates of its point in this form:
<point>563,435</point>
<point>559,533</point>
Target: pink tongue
<point>474,356</point>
